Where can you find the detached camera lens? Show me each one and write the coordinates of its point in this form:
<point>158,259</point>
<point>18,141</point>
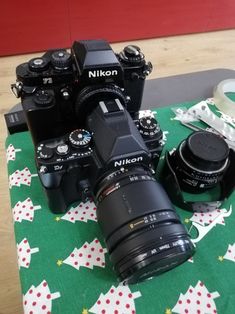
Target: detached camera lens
<point>143,233</point>
<point>201,161</point>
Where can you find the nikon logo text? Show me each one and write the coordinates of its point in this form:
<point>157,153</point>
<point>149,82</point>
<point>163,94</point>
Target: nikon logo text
<point>127,161</point>
<point>101,73</point>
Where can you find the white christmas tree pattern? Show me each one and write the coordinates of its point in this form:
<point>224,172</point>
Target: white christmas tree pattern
<point>11,152</point>
<point>230,253</point>
<point>38,300</point>
<point>196,300</point>
<point>24,210</point>
<point>118,300</point>
<point>89,255</point>
<point>82,212</point>
<point>21,177</point>
<point>204,223</point>
<point>205,215</point>
<point>24,252</point>
<point>191,260</point>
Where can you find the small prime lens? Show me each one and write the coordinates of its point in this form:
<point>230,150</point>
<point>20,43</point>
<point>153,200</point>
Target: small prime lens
<point>201,161</point>
<point>143,233</point>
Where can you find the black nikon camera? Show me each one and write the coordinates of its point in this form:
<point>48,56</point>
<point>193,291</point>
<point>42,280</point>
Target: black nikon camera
<point>82,109</point>
<point>60,89</point>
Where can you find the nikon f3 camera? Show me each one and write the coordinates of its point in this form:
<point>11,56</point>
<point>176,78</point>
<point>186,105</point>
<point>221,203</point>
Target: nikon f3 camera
<point>82,109</point>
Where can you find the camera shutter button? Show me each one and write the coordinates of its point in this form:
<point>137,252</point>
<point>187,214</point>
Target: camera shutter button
<point>62,149</point>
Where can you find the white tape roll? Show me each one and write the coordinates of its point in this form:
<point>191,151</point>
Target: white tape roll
<point>225,104</point>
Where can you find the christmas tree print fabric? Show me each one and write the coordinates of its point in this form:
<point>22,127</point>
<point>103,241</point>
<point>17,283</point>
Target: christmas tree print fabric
<point>64,266</point>
<point>196,300</point>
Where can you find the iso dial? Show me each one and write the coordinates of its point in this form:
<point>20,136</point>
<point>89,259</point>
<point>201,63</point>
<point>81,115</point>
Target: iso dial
<point>148,126</point>
<point>80,138</point>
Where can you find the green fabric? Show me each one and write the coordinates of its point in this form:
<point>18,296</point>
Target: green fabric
<point>80,289</point>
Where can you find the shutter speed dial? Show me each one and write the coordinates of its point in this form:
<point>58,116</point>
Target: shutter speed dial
<point>61,59</point>
<point>148,126</point>
<point>80,138</point>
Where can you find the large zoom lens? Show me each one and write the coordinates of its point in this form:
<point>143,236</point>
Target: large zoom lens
<point>200,161</point>
<point>143,233</point>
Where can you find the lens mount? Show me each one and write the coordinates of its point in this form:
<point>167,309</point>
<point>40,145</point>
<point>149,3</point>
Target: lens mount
<point>90,96</point>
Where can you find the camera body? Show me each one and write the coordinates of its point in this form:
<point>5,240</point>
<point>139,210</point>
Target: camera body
<point>72,167</point>
<point>91,140</point>
<point>59,89</point>
<point>82,109</point>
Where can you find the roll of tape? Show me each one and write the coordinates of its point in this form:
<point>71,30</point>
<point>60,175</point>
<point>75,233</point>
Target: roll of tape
<point>225,104</point>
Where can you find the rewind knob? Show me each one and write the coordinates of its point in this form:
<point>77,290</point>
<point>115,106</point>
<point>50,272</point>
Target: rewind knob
<point>80,138</point>
<point>132,54</point>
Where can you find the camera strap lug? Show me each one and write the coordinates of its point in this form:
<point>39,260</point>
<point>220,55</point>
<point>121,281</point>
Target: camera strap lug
<point>148,69</point>
<point>17,89</point>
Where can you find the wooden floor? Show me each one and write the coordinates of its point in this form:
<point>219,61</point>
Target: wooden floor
<point>170,56</point>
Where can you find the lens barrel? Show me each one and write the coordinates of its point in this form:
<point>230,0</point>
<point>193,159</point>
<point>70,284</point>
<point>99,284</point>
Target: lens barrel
<point>143,233</point>
<point>201,161</point>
